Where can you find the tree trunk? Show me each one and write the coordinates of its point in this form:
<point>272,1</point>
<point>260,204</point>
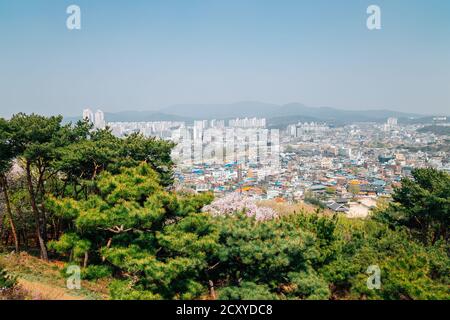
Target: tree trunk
<point>212,292</point>
<point>2,215</point>
<point>86,258</point>
<point>43,247</point>
<point>43,213</point>
<point>4,184</point>
<point>25,239</point>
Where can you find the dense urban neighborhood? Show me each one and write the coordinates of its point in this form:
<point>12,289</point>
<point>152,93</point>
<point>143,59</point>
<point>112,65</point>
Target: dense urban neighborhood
<point>345,169</point>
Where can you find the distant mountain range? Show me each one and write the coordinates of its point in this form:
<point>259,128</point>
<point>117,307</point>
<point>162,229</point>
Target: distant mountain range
<point>277,115</point>
<point>272,111</point>
<point>135,116</point>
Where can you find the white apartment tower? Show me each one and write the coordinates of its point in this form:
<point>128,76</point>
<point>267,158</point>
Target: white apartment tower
<point>392,122</point>
<point>88,115</point>
<point>99,118</point>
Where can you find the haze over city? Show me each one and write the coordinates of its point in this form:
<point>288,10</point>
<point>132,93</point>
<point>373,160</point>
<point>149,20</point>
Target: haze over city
<point>155,54</point>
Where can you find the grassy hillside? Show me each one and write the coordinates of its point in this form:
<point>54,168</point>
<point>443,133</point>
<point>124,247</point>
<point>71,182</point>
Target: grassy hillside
<point>40,280</point>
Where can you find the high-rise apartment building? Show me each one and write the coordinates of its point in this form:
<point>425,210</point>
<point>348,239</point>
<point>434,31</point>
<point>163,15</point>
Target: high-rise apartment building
<point>88,115</point>
<point>99,120</point>
<point>247,123</point>
<point>392,122</point>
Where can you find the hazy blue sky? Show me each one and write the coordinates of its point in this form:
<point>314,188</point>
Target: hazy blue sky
<point>143,55</point>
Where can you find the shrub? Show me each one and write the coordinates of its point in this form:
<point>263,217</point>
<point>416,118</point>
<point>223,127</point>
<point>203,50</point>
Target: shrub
<point>247,291</point>
<point>95,272</point>
<point>7,281</point>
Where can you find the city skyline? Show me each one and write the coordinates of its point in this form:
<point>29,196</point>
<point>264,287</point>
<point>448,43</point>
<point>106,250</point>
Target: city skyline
<point>152,55</point>
<point>74,115</point>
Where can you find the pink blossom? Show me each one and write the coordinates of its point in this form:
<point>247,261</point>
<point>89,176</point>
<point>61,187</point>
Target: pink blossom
<point>234,202</point>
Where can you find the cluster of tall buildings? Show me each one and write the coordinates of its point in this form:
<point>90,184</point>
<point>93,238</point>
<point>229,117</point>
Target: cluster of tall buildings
<point>97,118</point>
<point>244,140</point>
<point>206,124</point>
<point>198,146</point>
<point>233,123</point>
<point>247,123</point>
<point>202,125</point>
<point>212,142</point>
<point>300,129</point>
<point>390,124</point>
<point>159,129</point>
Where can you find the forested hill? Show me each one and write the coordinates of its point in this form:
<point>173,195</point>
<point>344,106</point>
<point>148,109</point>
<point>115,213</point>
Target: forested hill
<point>438,130</point>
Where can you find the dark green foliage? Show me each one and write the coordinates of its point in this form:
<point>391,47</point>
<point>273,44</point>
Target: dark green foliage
<point>422,205</point>
<point>7,281</point>
<point>63,161</point>
<point>264,253</point>
<point>71,243</point>
<point>143,231</point>
<point>95,272</point>
<point>408,269</point>
<point>314,201</point>
<point>247,291</point>
<point>308,285</point>
<point>157,153</point>
<point>6,148</point>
